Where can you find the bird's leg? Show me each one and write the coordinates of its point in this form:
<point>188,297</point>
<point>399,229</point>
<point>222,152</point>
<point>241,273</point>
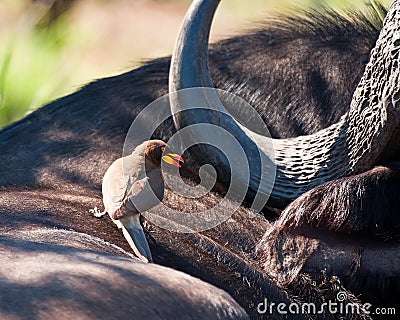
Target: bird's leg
<point>97,213</point>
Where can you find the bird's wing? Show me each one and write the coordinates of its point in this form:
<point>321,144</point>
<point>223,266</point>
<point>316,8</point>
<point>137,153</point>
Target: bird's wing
<point>114,187</point>
<point>145,193</point>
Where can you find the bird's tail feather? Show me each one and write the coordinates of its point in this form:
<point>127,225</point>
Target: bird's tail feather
<point>136,238</point>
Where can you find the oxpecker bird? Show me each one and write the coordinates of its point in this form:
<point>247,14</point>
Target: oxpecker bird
<point>134,184</point>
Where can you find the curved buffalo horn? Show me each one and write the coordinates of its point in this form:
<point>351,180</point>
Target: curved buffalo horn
<point>351,146</point>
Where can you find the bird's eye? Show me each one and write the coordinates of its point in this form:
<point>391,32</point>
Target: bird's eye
<point>162,149</point>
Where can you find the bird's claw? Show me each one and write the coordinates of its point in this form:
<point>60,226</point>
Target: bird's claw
<point>97,213</point>
<point>147,227</point>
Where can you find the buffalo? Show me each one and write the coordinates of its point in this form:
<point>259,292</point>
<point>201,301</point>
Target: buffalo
<point>326,87</point>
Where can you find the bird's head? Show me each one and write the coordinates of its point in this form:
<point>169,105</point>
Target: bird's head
<point>154,153</point>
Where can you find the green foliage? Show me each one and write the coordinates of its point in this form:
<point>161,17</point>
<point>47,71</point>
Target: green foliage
<point>34,59</point>
<point>26,62</point>
<point>32,66</point>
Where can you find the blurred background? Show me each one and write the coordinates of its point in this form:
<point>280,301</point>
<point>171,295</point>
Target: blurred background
<point>50,48</point>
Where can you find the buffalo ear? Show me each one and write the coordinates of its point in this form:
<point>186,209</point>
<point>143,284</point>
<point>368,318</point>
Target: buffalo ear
<point>366,203</point>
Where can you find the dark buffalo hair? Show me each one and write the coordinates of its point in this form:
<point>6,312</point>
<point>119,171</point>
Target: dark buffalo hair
<point>54,159</point>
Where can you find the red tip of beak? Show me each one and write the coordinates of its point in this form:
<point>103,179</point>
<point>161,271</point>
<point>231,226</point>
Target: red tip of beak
<point>179,158</point>
<point>173,159</point>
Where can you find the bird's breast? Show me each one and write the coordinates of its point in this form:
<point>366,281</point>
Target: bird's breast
<point>156,183</point>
